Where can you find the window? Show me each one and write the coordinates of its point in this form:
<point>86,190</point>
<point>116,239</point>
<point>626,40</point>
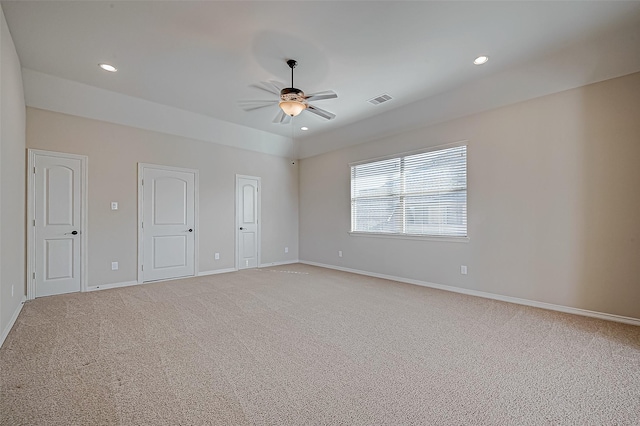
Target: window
<point>417,194</point>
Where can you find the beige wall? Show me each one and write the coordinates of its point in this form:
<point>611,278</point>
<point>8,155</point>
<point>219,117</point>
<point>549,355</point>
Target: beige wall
<point>12,181</point>
<point>114,152</point>
<point>553,201</point>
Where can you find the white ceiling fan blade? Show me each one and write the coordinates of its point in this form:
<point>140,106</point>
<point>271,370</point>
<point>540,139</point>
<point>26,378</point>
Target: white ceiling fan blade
<point>321,112</point>
<point>327,94</point>
<point>256,107</point>
<point>279,117</point>
<point>278,85</point>
<point>250,105</point>
<point>282,118</point>
<point>267,87</point>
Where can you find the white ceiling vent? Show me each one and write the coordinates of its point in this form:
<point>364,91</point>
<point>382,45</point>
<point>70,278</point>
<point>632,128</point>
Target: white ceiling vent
<point>380,99</point>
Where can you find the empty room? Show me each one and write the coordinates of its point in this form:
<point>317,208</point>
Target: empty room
<point>319,212</point>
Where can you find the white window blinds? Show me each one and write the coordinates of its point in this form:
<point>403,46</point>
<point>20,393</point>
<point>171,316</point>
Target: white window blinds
<point>418,194</point>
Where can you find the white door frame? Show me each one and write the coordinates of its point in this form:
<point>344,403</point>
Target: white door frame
<point>259,208</point>
<point>141,166</point>
<point>31,210</point>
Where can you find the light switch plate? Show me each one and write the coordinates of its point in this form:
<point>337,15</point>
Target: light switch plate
<point>114,205</point>
<point>114,266</point>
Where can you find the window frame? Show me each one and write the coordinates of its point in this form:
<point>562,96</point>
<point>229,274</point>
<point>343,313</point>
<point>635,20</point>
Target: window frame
<point>443,238</point>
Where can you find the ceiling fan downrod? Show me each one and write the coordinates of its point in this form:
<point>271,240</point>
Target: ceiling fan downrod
<point>292,64</point>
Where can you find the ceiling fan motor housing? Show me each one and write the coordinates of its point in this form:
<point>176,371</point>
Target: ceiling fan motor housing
<point>291,94</point>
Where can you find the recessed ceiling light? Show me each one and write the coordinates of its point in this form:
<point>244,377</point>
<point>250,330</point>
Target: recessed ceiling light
<point>108,67</point>
<point>481,60</point>
<point>304,128</point>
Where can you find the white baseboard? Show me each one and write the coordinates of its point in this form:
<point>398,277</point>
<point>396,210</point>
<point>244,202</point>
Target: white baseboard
<point>130,283</point>
<point>526,302</point>
<point>286,262</point>
<point>12,321</point>
<point>112,285</point>
<point>216,271</point>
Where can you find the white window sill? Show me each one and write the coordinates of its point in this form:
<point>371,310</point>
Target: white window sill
<point>410,237</point>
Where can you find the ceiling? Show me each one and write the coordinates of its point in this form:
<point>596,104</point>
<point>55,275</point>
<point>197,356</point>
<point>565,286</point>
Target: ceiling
<point>202,57</point>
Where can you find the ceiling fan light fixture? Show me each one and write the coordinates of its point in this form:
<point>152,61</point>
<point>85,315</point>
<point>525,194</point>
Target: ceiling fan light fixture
<point>292,108</point>
<point>292,101</point>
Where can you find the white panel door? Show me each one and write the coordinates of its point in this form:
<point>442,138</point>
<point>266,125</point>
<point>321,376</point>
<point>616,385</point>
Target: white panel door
<point>57,212</point>
<point>168,222</point>
<point>248,211</point>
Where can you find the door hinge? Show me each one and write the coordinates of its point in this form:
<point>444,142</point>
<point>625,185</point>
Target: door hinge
<point>34,169</point>
<point>142,182</point>
<point>143,267</point>
<point>142,224</point>
<point>34,275</point>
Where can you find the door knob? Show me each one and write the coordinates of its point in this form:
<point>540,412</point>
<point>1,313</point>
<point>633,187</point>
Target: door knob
<point>72,233</point>
<point>241,228</point>
<point>190,230</point>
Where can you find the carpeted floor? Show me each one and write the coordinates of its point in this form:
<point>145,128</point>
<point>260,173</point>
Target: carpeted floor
<point>298,345</point>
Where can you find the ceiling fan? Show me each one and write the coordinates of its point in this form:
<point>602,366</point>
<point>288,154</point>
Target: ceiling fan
<point>291,101</point>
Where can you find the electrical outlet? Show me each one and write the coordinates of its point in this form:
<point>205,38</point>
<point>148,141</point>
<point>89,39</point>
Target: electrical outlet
<point>286,249</point>
<point>463,269</point>
<point>217,256</point>
<point>339,253</point>
<point>114,266</point>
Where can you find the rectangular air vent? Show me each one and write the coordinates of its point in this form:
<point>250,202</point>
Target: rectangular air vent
<point>380,99</point>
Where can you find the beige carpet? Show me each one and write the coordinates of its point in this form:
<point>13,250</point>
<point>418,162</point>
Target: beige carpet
<point>297,345</point>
